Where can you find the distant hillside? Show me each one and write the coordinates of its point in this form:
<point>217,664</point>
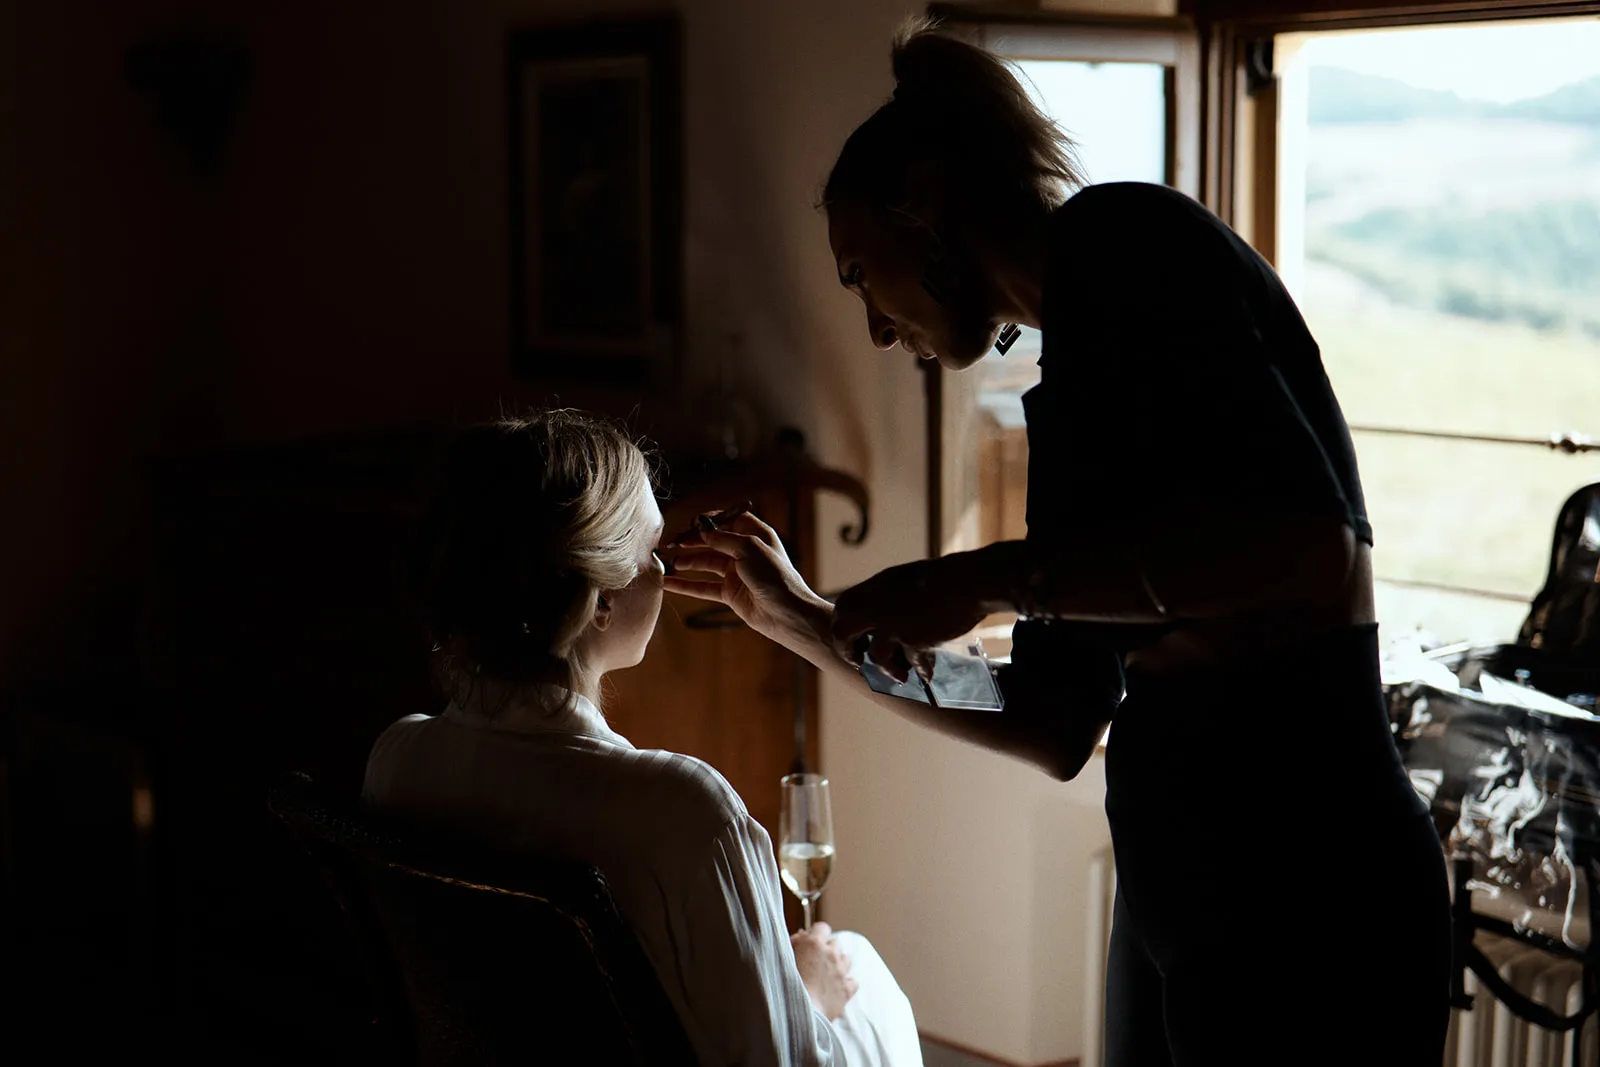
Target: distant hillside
<point>1579,102</point>
<point>1339,95</point>
<point>1537,263</point>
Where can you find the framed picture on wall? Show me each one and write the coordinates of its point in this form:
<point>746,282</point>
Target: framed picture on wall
<point>596,201</point>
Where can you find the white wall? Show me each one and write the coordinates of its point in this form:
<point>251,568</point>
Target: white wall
<point>967,870</point>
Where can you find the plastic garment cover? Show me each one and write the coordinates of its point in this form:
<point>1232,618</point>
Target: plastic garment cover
<point>1512,775</point>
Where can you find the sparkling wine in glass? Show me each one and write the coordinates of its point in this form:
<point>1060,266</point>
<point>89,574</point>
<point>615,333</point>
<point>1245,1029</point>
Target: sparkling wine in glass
<point>805,838</point>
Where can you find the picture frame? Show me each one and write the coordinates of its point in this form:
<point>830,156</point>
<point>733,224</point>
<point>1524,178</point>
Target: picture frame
<point>596,201</point>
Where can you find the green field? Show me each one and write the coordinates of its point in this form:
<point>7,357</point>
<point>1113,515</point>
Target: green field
<point>1452,278</point>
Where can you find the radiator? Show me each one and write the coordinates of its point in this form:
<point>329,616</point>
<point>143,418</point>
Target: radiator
<point>1490,1036</point>
<point>1097,943</point>
<point>1487,1036</point>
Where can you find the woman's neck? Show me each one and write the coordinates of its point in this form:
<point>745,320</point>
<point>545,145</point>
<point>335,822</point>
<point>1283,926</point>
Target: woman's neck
<point>1014,266</point>
<point>484,695</point>
<point>587,686</point>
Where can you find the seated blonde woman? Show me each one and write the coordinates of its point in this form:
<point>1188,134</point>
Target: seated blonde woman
<point>539,575</point>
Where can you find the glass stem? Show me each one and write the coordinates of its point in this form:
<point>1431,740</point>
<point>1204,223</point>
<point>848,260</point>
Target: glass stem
<point>805,906</point>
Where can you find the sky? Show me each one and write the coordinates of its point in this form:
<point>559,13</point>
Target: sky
<point>1486,62</point>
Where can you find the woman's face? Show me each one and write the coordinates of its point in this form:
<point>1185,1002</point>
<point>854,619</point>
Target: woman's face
<point>884,265</point>
<point>635,609</point>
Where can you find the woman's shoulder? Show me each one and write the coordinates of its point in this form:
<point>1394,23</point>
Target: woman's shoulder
<point>400,734</point>
<point>685,787</point>
<point>409,724</point>
<point>392,753</point>
<point>1120,195</point>
<point>1185,258</point>
<point>1131,214</point>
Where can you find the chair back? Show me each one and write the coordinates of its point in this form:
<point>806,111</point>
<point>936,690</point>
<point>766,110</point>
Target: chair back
<point>1564,619</point>
<point>484,957</point>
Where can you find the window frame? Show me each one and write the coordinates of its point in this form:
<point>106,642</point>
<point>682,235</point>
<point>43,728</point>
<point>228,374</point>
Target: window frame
<point>1222,127</point>
<point>1028,33</point>
<point>1239,103</point>
<point>1242,138</point>
<point>1172,43</point>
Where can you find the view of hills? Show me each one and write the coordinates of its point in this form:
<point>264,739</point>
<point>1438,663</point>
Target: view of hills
<point>1339,95</point>
<point>1451,276</point>
<point>1471,208</point>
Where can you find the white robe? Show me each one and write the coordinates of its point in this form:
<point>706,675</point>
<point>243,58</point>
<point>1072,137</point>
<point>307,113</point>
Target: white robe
<point>692,872</point>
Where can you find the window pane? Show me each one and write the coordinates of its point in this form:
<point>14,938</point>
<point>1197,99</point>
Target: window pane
<point>1461,513</point>
<point>1116,112</point>
<point>1117,115</point>
<point>1439,225</point>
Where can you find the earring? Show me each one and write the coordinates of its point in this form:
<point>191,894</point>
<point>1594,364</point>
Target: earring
<point>1008,337</point>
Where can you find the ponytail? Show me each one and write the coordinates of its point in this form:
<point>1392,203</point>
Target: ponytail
<point>962,109</point>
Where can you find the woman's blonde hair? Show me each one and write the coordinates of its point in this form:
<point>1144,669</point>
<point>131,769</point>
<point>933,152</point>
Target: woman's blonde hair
<point>960,109</point>
<point>529,522</point>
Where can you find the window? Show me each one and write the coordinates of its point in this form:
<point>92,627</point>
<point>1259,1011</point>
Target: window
<point>1430,194</point>
<point>1126,96</point>
<point>1120,136</point>
<point>1438,222</point>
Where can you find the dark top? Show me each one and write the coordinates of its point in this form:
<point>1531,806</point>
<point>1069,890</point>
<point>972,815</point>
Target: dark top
<point>1177,376</point>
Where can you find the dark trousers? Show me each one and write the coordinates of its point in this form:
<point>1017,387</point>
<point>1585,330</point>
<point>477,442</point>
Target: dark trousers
<point>1282,895</point>
<point>1359,998</point>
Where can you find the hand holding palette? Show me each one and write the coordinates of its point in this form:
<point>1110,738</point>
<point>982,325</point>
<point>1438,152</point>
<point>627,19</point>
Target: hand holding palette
<point>962,677</point>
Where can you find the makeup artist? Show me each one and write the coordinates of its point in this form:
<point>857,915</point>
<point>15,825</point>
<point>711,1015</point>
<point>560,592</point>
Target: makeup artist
<point>1197,541</point>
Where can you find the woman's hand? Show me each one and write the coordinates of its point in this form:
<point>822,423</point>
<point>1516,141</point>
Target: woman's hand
<point>750,573</point>
<point>900,614</point>
<point>824,968</point>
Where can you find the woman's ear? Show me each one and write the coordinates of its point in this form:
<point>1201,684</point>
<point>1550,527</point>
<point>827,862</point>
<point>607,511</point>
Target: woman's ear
<point>602,613</point>
<point>923,205</point>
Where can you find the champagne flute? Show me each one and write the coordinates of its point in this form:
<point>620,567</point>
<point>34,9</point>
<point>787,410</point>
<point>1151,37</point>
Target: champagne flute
<point>805,838</point>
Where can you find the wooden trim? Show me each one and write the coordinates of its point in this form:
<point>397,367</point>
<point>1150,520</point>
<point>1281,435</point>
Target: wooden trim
<point>1276,16</point>
<point>1257,195</point>
<point>1008,11</point>
<point>1221,84</point>
<point>1172,92</point>
<point>1185,115</point>
<point>1088,41</point>
<point>933,418</point>
<point>1212,127</point>
<point>985,1057</point>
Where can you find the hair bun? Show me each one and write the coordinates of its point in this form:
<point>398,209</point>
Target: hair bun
<point>964,110</point>
<point>925,62</point>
